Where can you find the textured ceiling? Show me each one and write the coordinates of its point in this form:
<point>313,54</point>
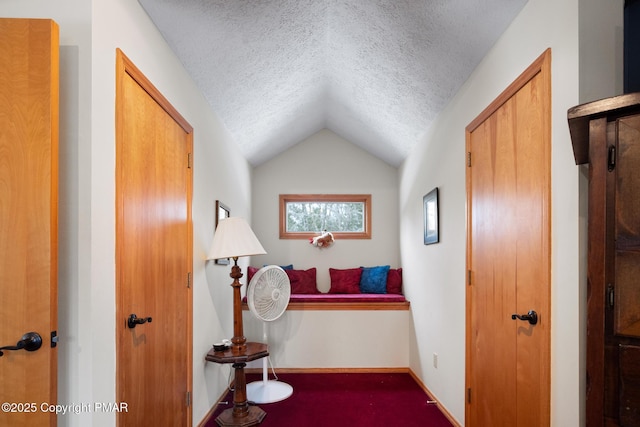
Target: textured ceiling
<point>374,72</point>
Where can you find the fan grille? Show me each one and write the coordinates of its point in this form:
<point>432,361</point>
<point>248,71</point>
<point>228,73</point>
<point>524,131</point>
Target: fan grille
<point>268,293</point>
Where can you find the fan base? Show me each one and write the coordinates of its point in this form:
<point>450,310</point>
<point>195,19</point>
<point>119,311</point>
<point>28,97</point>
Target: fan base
<point>268,391</point>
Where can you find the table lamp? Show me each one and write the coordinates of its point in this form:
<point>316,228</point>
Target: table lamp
<point>234,238</point>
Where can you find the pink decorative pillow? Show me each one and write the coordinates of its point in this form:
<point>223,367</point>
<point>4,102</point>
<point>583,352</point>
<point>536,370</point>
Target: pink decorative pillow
<point>394,281</point>
<point>345,281</point>
<point>303,281</point>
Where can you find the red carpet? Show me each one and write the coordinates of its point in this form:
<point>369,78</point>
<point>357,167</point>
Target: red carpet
<point>348,399</point>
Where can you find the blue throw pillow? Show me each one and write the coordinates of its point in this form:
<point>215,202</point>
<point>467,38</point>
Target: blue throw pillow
<point>284,267</point>
<point>374,279</point>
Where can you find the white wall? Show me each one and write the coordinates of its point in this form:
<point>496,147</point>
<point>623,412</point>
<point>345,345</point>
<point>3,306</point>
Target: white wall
<point>333,339</point>
<point>326,163</point>
<point>601,49</point>
<point>90,33</point>
<point>435,275</point>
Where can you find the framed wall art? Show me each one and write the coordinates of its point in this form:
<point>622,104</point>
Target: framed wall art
<point>222,212</point>
<point>430,213</point>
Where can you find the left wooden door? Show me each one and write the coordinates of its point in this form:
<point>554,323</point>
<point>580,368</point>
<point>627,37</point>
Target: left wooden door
<point>29,75</point>
<point>154,255</point>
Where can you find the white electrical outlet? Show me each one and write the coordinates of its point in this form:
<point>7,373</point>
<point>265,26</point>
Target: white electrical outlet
<point>435,360</point>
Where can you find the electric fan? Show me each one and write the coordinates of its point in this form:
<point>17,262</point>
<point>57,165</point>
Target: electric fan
<point>268,296</point>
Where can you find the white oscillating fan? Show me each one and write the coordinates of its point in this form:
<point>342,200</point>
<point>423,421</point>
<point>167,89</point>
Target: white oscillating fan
<point>268,295</point>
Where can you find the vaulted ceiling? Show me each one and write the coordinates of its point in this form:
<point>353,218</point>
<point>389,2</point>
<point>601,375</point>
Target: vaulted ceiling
<point>375,72</point>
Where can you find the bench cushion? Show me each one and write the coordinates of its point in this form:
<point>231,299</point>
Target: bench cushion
<point>347,298</point>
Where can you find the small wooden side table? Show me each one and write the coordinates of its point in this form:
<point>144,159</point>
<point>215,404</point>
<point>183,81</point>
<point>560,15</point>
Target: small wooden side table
<point>241,414</point>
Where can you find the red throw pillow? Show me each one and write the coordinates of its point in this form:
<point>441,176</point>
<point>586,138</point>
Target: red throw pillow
<point>345,281</point>
<point>250,272</point>
<point>394,281</point>
<point>303,281</point>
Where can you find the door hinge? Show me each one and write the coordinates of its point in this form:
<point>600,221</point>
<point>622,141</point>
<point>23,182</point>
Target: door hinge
<point>469,395</point>
<point>189,160</point>
<point>610,295</point>
<point>188,398</point>
<point>188,279</point>
<point>468,159</point>
<point>54,339</point>
<point>469,277</point>
<point>611,158</point>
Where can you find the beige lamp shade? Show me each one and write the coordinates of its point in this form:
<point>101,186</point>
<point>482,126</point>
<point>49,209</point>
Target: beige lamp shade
<point>234,238</point>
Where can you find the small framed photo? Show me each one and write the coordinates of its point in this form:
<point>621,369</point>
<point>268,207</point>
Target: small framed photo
<point>222,212</point>
<point>430,213</point>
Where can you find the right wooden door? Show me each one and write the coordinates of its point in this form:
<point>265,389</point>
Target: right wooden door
<point>622,348</point>
<point>508,256</point>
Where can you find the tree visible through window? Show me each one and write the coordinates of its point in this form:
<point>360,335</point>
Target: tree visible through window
<point>344,215</point>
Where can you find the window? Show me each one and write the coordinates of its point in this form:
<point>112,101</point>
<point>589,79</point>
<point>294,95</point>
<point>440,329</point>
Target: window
<point>346,216</point>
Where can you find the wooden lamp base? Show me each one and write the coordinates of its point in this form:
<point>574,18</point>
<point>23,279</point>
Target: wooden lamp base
<point>254,417</point>
<point>242,414</point>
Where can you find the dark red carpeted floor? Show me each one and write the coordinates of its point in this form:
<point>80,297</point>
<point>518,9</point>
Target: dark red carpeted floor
<point>348,399</point>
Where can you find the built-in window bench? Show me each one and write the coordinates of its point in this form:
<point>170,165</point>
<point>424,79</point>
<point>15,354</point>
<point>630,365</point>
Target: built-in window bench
<point>336,331</point>
<point>355,322</point>
<point>326,301</point>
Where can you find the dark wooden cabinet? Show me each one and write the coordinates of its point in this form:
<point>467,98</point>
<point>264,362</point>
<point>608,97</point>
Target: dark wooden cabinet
<point>606,135</point>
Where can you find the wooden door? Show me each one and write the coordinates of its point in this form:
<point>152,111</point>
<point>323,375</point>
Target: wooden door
<point>154,254</point>
<point>28,217</point>
<point>622,322</point>
<point>508,255</point>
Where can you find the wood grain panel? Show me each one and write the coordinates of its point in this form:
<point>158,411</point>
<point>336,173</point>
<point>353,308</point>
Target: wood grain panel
<point>629,385</point>
<point>493,293</point>
<point>627,228</point>
<point>596,272</point>
<point>533,280</point>
<point>28,212</point>
<point>154,258</point>
<point>508,255</point>
<point>605,134</point>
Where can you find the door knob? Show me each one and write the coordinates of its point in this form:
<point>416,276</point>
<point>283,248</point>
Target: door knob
<point>31,341</point>
<point>134,320</point>
<point>531,317</point>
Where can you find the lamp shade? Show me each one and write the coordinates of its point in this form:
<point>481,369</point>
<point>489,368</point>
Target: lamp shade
<point>234,238</point>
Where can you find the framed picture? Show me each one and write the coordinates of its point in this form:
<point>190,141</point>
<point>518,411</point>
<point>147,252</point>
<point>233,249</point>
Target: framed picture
<point>430,212</point>
<point>222,212</point>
